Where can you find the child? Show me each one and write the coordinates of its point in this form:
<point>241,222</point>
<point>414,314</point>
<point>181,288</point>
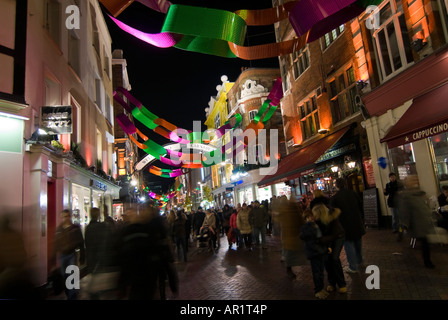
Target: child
<point>315,252</point>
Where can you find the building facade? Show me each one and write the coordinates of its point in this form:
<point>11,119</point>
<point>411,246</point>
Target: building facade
<point>63,99</point>
<point>324,139</point>
<point>407,127</point>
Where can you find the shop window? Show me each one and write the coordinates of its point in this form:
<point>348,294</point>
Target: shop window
<point>440,146</point>
<point>403,161</point>
<point>391,40</point>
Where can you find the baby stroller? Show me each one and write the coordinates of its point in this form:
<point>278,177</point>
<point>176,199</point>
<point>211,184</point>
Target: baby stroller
<point>205,239</point>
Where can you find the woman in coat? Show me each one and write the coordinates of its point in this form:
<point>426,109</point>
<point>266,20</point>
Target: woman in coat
<point>244,225</point>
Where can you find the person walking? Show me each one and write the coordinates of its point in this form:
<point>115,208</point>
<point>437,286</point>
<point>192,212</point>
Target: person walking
<point>244,225</point>
<point>101,256</point>
<point>351,220</point>
<point>198,219</point>
<point>178,230</point>
<point>290,218</point>
<point>416,216</point>
<point>68,239</point>
<point>315,252</point>
<point>259,222</point>
<point>226,214</point>
<point>236,236</point>
<point>391,190</point>
<point>333,233</point>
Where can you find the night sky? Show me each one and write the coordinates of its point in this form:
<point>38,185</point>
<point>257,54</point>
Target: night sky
<point>175,84</point>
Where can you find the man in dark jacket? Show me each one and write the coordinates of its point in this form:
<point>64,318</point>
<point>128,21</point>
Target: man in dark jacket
<point>67,239</point>
<point>351,219</point>
<point>259,223</point>
<point>391,190</point>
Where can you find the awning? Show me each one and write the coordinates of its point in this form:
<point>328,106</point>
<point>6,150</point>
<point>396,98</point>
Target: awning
<point>426,117</point>
<point>302,162</point>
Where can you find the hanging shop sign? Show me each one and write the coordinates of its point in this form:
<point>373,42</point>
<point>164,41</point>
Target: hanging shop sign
<point>56,119</point>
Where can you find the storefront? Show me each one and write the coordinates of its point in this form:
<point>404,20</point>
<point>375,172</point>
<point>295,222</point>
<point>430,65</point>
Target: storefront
<point>87,191</point>
<point>318,165</point>
<point>408,128</point>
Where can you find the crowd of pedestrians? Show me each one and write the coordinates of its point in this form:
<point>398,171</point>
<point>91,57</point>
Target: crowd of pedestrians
<point>136,257</point>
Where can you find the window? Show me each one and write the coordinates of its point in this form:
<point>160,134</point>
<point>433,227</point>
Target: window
<point>309,117</point>
<point>343,91</point>
<point>106,64</point>
<point>252,114</point>
<point>53,19</point>
<point>98,99</point>
<point>76,121</point>
<point>301,62</point>
<point>391,40</point>
<point>108,110</point>
<point>285,67</point>
<point>73,51</point>
<point>330,37</point>
<point>217,120</point>
<point>99,146</point>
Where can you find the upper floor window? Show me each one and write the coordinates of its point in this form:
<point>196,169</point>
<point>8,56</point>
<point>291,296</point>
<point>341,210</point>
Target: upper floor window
<point>217,120</point>
<point>391,40</point>
<point>342,92</point>
<point>309,117</point>
<point>284,63</point>
<point>252,114</point>
<point>331,36</point>
<point>301,62</point>
<point>73,51</point>
<point>53,19</point>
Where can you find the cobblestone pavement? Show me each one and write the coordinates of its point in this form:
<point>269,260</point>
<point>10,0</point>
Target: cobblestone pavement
<point>238,274</point>
<point>260,275</point>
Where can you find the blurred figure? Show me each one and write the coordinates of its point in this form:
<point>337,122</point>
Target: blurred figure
<point>226,214</point>
<point>391,190</point>
<point>145,255</point>
<point>259,223</point>
<point>442,201</point>
<point>198,219</point>
<point>178,230</point>
<point>108,220</point>
<point>235,236</point>
<point>15,282</point>
<point>319,197</point>
<point>67,240</point>
<point>415,215</point>
<point>290,217</point>
<point>101,257</point>
<point>244,226</point>
<point>351,219</point>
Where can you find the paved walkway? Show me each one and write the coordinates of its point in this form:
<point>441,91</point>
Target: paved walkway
<point>261,275</point>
